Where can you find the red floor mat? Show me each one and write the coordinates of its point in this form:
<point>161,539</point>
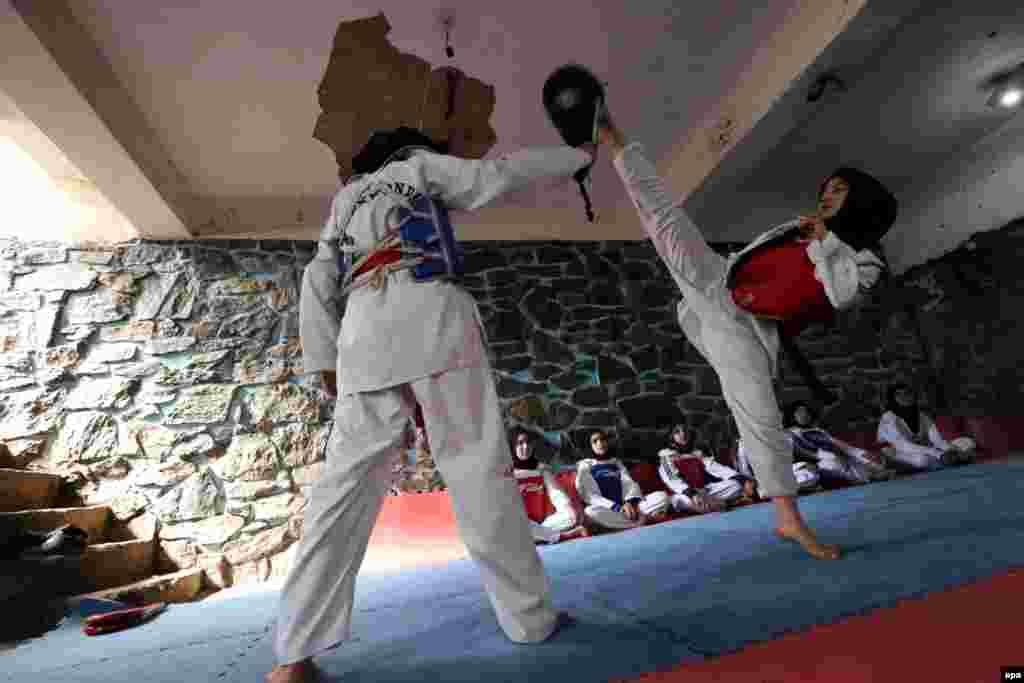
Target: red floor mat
<point>414,530</point>
<point>959,636</point>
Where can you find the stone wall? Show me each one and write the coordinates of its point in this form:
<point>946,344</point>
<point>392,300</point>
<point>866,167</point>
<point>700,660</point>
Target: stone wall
<point>166,378</point>
<point>969,306</point>
<point>585,336</point>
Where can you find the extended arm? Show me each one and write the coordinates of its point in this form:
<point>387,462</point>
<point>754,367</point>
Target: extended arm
<point>472,183</point>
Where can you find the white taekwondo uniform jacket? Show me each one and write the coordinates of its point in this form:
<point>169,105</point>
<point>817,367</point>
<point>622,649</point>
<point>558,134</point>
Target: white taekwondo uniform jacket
<point>406,330</point>
<point>845,274</point>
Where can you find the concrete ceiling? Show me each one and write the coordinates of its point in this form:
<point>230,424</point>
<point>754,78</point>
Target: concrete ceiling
<point>914,108</point>
<point>214,103</point>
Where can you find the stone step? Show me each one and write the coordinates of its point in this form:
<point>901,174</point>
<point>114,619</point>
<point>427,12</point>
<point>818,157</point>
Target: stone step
<point>109,565</point>
<point>181,586</point>
<point>94,520</point>
<point>27,490</point>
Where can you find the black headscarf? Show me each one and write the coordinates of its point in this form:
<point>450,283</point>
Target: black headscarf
<point>610,453</point>
<point>384,143</point>
<point>691,436</point>
<point>909,414</point>
<point>789,414</point>
<point>866,215</point>
<point>531,462</point>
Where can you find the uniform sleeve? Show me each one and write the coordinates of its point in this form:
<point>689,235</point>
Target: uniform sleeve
<point>631,490</point>
<point>849,449</point>
<point>892,433</point>
<point>934,435</point>
<point>799,447</point>
<point>319,317</point>
<point>472,183</point>
<point>669,474</point>
<point>589,492</point>
<point>847,276</point>
<point>723,472</point>
<point>743,460</point>
<point>558,497</point>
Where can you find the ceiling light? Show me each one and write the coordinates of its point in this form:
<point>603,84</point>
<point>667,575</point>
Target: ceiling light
<point>1011,97</point>
<point>1007,89</point>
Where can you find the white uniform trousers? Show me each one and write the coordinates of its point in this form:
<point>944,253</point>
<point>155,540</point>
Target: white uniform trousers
<point>728,337</point>
<point>849,468</point>
<point>651,504</point>
<point>464,426</point>
<point>725,491</point>
<point>927,457</point>
<point>551,529</point>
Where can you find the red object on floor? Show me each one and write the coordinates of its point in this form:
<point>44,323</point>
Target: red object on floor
<point>962,635</point>
<point>121,619</point>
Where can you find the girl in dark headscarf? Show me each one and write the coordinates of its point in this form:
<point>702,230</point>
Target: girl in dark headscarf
<point>734,309</point>
<point>365,257</point>
<point>523,451</point>
<point>699,482</point>
<point>912,437</point>
<point>836,460</point>
<point>612,497</point>
<point>541,492</point>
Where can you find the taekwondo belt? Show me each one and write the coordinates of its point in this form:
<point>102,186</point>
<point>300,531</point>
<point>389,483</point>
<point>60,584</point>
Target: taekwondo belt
<point>374,268</point>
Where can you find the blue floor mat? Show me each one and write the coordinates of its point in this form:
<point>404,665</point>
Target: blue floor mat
<point>643,600</point>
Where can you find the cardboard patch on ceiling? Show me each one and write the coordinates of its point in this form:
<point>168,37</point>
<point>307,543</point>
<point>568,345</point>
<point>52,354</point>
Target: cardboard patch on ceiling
<point>369,85</point>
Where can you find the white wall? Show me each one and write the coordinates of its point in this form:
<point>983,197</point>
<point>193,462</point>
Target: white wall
<point>980,189</point>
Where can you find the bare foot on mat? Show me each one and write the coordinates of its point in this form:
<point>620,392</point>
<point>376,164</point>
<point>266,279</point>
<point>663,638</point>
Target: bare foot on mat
<point>299,672</point>
<point>805,537</point>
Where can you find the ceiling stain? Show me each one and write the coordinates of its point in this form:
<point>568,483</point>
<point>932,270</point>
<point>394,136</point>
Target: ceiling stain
<point>369,85</point>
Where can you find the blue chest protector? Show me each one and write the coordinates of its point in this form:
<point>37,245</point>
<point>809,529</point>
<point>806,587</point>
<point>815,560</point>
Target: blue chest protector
<point>425,226</point>
<point>609,481</point>
<point>422,230</point>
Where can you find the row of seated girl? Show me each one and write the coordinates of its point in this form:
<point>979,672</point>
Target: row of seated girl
<point>613,500</point>
<point>700,484</point>
<point>909,439</point>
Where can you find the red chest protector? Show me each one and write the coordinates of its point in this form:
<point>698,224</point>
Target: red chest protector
<point>778,283</point>
<point>535,497</point>
<point>692,471</point>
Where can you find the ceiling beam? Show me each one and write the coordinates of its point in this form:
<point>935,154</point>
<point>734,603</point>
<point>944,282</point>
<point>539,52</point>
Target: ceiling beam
<point>776,69</point>
<point>488,224</point>
<point>59,79</point>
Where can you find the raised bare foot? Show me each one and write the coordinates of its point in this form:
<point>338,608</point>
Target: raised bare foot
<point>805,537</point>
<point>299,672</point>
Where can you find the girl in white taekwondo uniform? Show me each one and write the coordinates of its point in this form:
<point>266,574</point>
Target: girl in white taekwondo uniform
<point>402,342</point>
<point>699,482</point>
<point>537,485</point>
<point>837,460</point>
<point>732,308</point>
<point>912,437</point>
<point>613,499</point>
